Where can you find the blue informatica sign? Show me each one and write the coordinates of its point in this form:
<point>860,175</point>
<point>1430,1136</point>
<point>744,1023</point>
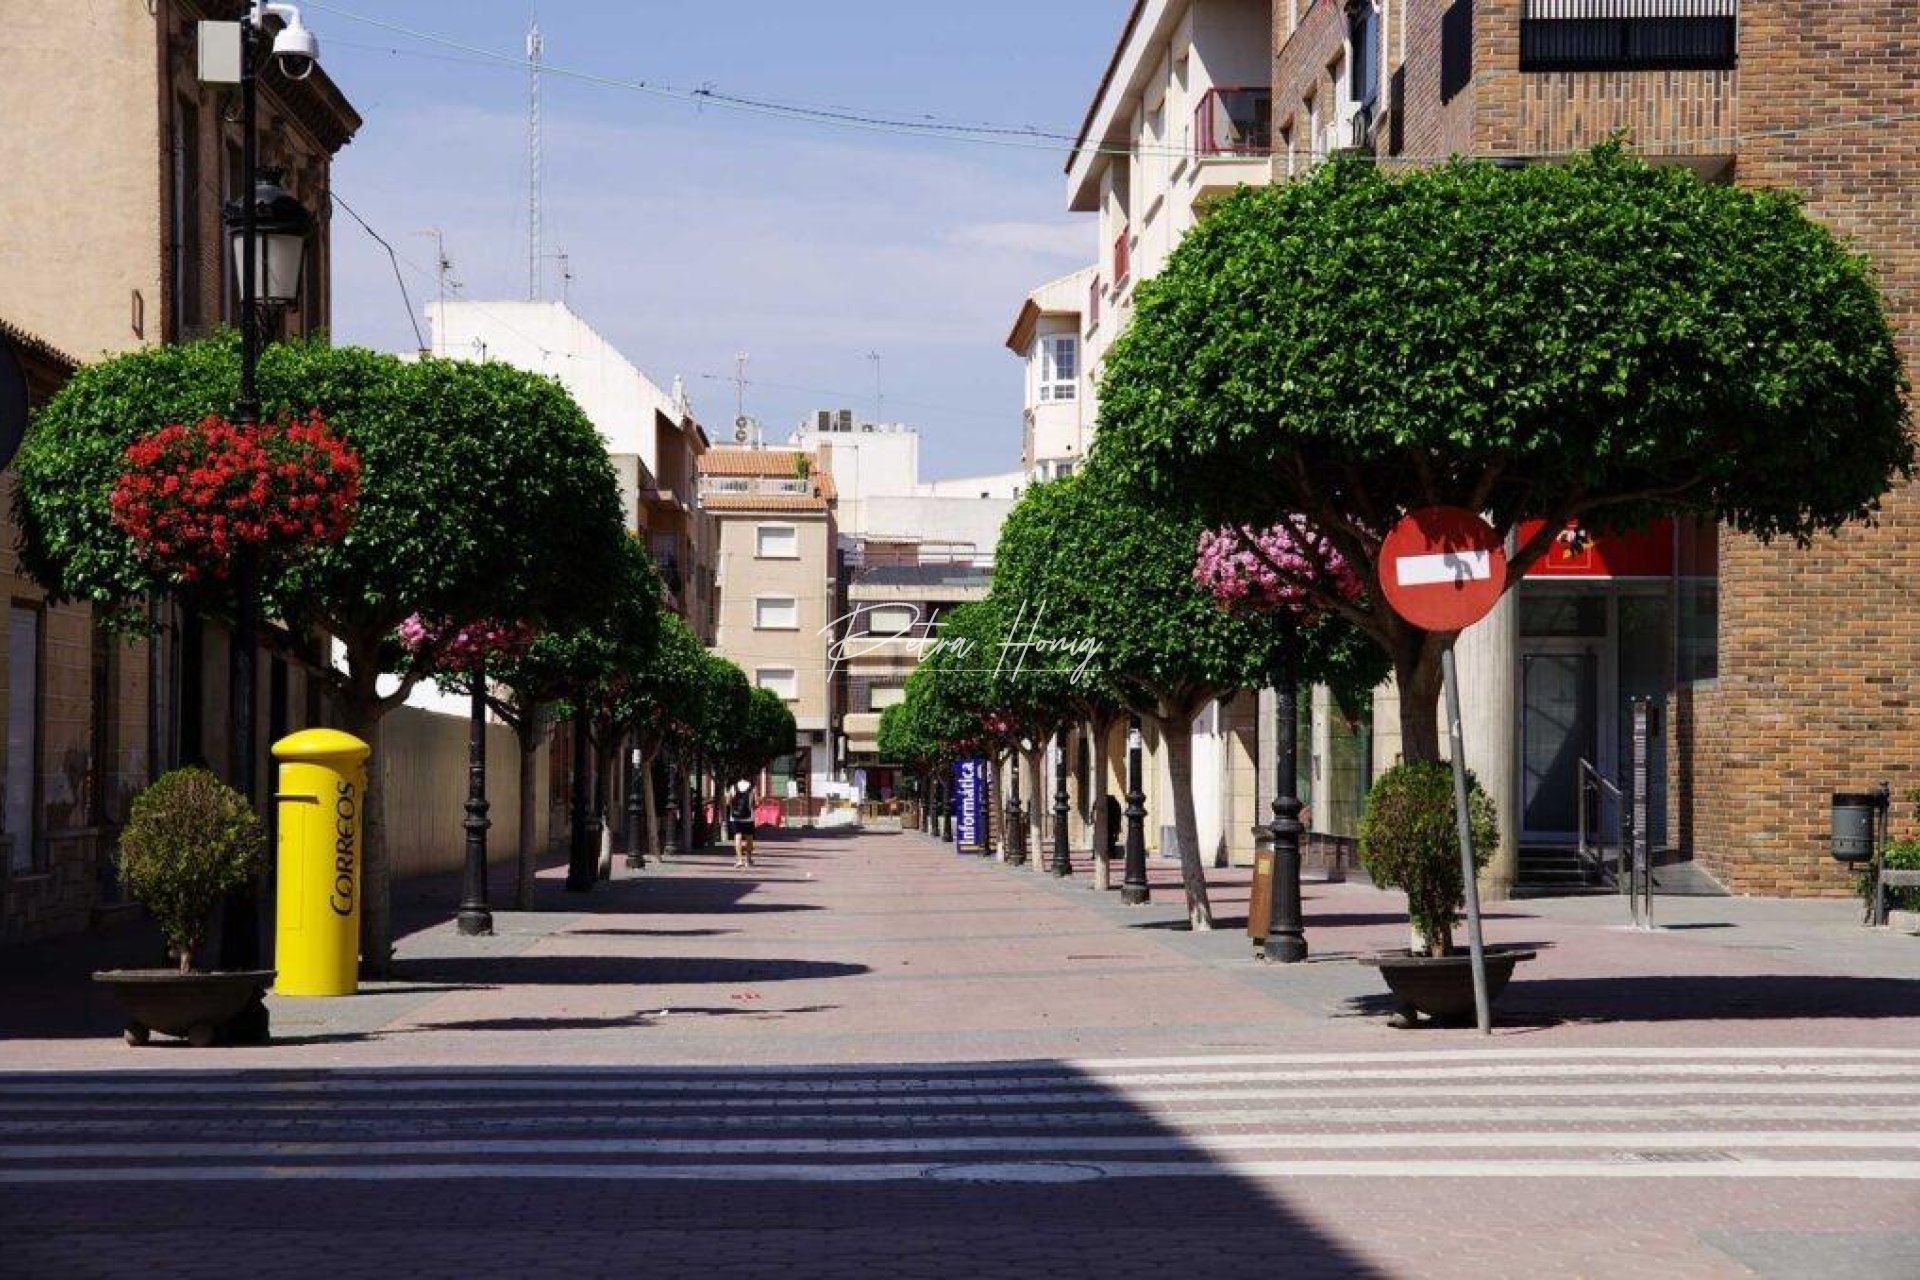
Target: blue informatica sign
<point>971,782</point>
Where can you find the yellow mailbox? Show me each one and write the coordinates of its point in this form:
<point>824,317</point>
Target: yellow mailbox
<point>323,786</point>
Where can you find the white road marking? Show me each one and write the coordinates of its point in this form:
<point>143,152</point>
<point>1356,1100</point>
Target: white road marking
<point>910,1087</point>
<point>1583,1170</point>
<point>1197,1144</point>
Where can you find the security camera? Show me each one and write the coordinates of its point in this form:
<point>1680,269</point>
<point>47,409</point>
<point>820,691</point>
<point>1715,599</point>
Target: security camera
<point>296,50</point>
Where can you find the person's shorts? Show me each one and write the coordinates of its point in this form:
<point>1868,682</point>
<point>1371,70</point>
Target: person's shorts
<point>739,827</point>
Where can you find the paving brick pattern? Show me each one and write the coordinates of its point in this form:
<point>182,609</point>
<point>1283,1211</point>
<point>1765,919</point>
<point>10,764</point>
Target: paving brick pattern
<point>876,1058</point>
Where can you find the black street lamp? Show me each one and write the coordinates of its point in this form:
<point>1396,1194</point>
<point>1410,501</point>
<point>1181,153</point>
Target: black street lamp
<point>1286,930</point>
<point>1133,887</point>
<point>1016,819</point>
<point>636,813</point>
<point>945,812</point>
<point>672,815</point>
<point>267,231</point>
<point>1062,856</point>
<point>475,918</point>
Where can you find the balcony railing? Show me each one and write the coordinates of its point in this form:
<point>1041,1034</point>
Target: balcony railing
<point>1629,35</point>
<point>1234,122</point>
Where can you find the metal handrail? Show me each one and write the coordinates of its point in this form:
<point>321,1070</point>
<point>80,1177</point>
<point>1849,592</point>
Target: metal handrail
<point>1591,781</point>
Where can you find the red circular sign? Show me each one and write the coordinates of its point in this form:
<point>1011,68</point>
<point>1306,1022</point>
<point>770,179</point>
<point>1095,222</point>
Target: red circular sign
<point>1443,568</point>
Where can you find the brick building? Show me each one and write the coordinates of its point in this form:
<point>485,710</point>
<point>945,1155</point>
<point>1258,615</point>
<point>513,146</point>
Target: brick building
<point>118,161</point>
<point>1784,672</point>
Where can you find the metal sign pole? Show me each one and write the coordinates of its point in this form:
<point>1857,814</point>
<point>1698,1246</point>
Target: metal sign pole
<point>1463,820</point>
<point>1642,864</point>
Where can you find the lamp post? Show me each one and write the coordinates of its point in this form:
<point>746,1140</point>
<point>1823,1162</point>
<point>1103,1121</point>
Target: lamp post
<point>1133,886</point>
<point>1016,816</point>
<point>1286,930</point>
<point>1062,856</point>
<point>267,231</point>
<point>636,812</point>
<point>475,918</point>
<point>672,815</point>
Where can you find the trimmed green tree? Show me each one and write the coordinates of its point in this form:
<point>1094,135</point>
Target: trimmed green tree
<point>1596,342</point>
<point>1121,575</point>
<point>485,492</point>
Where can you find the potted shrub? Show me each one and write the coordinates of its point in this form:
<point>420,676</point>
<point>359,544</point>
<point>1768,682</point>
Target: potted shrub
<point>189,842</point>
<point>1409,841</point>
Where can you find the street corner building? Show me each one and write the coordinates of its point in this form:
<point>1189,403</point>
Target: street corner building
<point>1775,675</point>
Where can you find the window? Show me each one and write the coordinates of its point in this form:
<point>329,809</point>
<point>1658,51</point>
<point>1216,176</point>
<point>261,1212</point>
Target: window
<point>1629,35</point>
<point>188,312</point>
<point>779,679</point>
<point>1456,49</point>
<point>23,738</point>
<point>1363,33</point>
<point>884,696</point>
<point>892,620</point>
<point>776,613</point>
<point>777,542</point>
<point>1059,367</point>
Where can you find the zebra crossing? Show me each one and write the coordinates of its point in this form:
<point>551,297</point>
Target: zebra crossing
<point>1588,1113</point>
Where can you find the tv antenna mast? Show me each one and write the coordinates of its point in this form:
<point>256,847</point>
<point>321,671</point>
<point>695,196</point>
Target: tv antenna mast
<point>879,394</point>
<point>534,165</point>
<point>745,429</point>
<point>443,270</point>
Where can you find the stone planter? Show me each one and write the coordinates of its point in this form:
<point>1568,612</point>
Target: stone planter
<point>1441,987</point>
<point>203,1008</point>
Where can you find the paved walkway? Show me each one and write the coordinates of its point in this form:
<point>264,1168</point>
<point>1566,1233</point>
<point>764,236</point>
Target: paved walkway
<point>873,1057</point>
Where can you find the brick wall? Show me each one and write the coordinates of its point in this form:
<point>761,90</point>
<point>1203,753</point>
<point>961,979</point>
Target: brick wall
<point>1818,648</point>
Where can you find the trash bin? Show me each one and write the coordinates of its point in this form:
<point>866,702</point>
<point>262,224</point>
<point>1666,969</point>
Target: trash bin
<point>1853,825</point>
<point>323,787</point>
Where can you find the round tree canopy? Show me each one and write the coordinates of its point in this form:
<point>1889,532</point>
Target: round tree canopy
<point>1597,339</point>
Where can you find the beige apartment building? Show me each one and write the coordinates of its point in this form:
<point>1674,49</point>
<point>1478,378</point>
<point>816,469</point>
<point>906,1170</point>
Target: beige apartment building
<point>117,162</point>
<point>777,587</point>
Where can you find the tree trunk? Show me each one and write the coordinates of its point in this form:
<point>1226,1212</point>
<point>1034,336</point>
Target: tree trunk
<point>363,712</point>
<point>1097,803</point>
<point>525,861</point>
<point>1037,808</point>
<point>649,817</point>
<point>1176,731</point>
<point>1416,674</point>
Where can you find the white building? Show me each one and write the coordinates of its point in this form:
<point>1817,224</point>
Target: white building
<point>1048,335</point>
<point>883,500</point>
<point>1183,115</point>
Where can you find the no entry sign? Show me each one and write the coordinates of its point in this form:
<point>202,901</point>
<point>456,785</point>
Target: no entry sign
<point>1443,568</point>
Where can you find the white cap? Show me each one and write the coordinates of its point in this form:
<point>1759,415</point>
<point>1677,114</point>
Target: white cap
<point>743,785</point>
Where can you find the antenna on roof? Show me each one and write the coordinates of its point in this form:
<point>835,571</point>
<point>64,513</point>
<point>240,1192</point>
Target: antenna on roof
<point>745,429</point>
<point>879,395</point>
<point>443,268</point>
<point>534,49</point>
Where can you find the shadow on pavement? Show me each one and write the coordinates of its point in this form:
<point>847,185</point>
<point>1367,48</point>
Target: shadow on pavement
<point>801,1172</point>
<point>653,971</point>
<point>1684,998</point>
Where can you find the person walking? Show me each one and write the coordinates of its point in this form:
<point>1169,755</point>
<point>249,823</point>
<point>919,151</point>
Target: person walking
<point>740,822</point>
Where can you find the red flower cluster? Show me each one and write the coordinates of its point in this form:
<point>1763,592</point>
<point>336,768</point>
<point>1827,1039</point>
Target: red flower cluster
<point>199,500</point>
<point>460,648</point>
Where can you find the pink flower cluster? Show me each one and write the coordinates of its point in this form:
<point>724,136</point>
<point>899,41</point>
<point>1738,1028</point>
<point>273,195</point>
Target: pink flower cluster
<point>1290,567</point>
<point>459,648</point>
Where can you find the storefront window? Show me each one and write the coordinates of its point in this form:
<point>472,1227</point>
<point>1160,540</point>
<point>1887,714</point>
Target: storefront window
<point>1696,601</point>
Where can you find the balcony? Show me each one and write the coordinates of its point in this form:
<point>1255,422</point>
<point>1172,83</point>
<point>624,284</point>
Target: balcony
<point>1234,122</point>
<point>1629,35</point>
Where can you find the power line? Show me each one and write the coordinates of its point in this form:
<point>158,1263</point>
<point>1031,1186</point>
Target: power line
<point>419,339</point>
<point>1022,137</point>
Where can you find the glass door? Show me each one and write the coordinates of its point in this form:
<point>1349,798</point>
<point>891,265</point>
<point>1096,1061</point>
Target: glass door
<point>1559,726</point>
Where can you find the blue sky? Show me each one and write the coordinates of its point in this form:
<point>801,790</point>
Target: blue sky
<point>695,232</point>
